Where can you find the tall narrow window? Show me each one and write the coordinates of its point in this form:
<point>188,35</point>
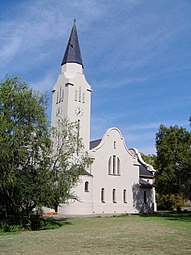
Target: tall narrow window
<point>145,196</point>
<point>114,196</point>
<point>109,166</point>
<point>83,97</point>
<point>76,95</point>
<point>114,164</point>
<point>102,195</point>
<point>114,144</point>
<point>124,196</point>
<point>57,97</point>
<point>62,95</point>
<point>80,93</point>
<point>86,188</point>
<point>118,166</point>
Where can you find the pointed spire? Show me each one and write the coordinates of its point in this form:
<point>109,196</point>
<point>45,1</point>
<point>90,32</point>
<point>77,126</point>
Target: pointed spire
<point>72,53</point>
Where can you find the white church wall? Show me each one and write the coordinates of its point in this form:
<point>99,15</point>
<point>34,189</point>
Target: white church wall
<point>113,144</point>
<point>83,205</point>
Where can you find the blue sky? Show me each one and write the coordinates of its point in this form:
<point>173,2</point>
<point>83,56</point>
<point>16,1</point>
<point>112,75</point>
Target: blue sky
<point>136,55</point>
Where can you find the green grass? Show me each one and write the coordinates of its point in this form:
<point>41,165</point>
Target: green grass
<point>169,234</point>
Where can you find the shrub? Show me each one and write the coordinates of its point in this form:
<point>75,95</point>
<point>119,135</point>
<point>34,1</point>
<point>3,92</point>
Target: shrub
<point>170,202</point>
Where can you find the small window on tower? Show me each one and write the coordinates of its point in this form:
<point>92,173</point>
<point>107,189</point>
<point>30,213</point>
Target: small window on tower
<point>83,97</point>
<point>57,97</point>
<point>76,95</point>
<point>80,93</point>
<point>62,95</point>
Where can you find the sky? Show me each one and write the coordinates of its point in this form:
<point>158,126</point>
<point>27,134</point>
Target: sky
<point>136,56</point>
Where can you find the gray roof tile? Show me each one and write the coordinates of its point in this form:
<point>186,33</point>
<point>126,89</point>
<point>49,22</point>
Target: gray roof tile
<point>144,172</point>
<point>94,143</point>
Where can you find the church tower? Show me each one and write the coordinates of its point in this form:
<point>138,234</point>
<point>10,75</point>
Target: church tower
<point>71,95</point>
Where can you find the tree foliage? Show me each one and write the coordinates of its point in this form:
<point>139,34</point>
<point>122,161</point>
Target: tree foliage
<point>24,142</point>
<point>173,161</point>
<point>149,159</point>
<point>36,169</point>
<point>68,160</point>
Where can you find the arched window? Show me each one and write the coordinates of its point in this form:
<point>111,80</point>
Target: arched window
<point>124,196</point>
<point>86,187</point>
<point>102,195</point>
<point>109,166</point>
<point>114,196</point>
<point>118,166</point>
<point>114,164</point>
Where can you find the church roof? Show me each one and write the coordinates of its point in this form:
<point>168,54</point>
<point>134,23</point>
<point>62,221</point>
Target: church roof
<point>86,173</point>
<point>144,172</point>
<point>95,143</point>
<point>72,53</point>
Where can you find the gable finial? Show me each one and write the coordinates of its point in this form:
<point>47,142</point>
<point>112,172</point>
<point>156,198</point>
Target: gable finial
<point>74,21</point>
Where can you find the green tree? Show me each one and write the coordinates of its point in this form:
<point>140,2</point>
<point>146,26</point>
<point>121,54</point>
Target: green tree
<point>25,144</point>
<point>149,159</point>
<point>35,170</point>
<point>173,161</point>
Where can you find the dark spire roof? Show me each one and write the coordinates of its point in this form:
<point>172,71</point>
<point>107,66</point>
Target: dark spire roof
<point>72,53</point>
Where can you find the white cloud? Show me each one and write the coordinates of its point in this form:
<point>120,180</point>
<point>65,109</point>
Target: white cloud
<point>37,23</point>
<point>44,84</point>
<point>9,49</point>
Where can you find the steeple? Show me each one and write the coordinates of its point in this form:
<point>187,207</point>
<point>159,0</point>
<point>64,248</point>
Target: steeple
<point>72,53</point>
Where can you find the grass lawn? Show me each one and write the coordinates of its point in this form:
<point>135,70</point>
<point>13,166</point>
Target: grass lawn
<point>169,234</point>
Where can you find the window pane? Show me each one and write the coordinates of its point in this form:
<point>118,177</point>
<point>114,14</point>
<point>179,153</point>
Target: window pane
<point>145,197</point>
<point>86,186</point>
<point>102,195</point>
<point>114,196</point>
<point>109,166</point>
<point>114,164</point>
<point>124,196</point>
<point>118,166</point>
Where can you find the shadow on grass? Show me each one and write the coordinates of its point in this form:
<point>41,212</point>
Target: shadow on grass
<point>52,222</point>
<point>174,216</point>
<point>37,224</point>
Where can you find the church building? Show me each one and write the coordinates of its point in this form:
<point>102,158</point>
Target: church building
<point>118,181</point>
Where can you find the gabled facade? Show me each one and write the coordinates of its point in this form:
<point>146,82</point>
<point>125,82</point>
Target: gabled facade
<point>118,181</point>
